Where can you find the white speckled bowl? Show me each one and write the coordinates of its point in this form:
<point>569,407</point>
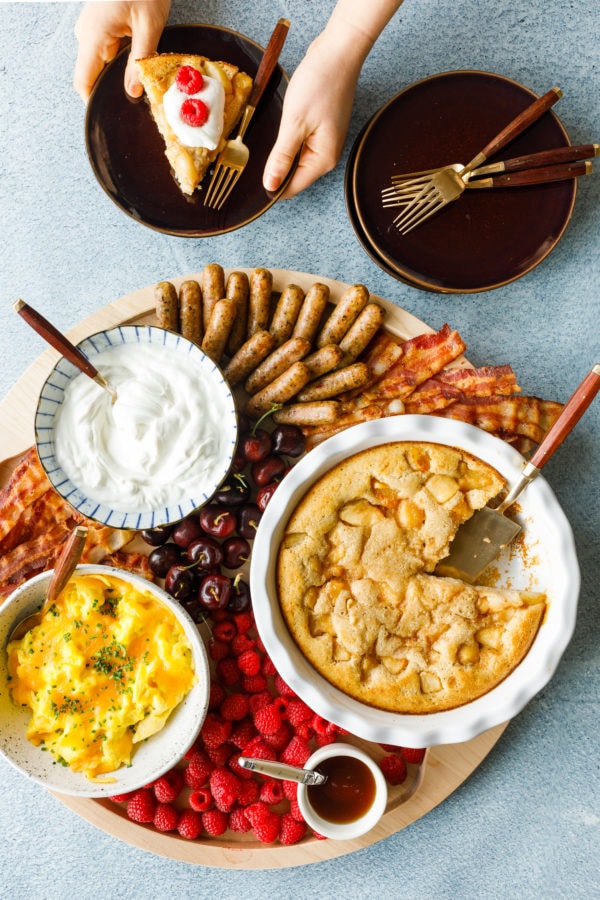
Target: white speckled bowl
<point>152,757</point>
<point>52,396</point>
<point>544,561</point>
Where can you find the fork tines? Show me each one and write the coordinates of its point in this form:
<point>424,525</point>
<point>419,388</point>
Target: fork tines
<point>221,184</point>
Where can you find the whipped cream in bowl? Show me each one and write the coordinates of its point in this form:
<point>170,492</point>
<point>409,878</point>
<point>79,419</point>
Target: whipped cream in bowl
<point>155,455</point>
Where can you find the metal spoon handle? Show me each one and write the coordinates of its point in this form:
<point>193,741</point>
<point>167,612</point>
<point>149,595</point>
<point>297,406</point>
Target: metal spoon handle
<point>281,770</point>
<point>67,561</point>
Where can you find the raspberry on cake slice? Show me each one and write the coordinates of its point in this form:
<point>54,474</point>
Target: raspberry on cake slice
<point>196,103</point>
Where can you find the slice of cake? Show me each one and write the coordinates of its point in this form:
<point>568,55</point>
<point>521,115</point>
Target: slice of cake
<point>195,103</point>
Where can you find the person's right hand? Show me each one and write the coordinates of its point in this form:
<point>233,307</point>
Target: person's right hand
<point>99,31</point>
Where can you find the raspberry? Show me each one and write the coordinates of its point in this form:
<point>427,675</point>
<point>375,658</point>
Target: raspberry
<point>120,798</point>
<point>304,730</point>
<point>225,788</point>
<point>219,756</point>
<point>194,112</point>
<point>249,662</point>
<point>413,755</point>
<point>242,732</point>
<point>271,792</point>
<point>215,822</point>
<point>258,748</point>
<point>240,643</point>
<point>297,752</point>
<point>322,726</point>
<point>233,763</point>
<point>190,824</point>
<point>168,787</point>
<point>198,770</point>
<point>228,671</point>
<point>258,700</point>
<point>216,696</point>
<point>201,800</point>
<point>234,707</point>
<point>280,738</point>
<point>141,806</point>
<point>189,80</point>
<point>298,711</point>
<point>265,823</point>
<point>224,631</point>
<point>268,719</point>
<point>322,740</point>
<point>238,821</point>
<point>249,791</point>
<point>166,817</point>
<point>282,688</point>
<point>253,684</point>
<point>290,789</point>
<point>291,830</point>
<point>218,650</point>
<point>295,811</point>
<point>243,622</point>
<point>267,667</point>
<point>215,730</point>
<point>394,768</point>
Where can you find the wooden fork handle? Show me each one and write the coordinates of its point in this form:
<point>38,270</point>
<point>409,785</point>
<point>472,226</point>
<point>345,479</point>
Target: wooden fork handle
<point>53,337</point>
<point>571,413</point>
<point>539,175</point>
<point>269,61</point>
<point>543,158</point>
<point>526,118</point>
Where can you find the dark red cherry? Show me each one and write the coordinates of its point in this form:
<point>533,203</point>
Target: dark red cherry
<point>217,520</point>
<point>206,552</point>
<point>248,519</point>
<point>288,440</point>
<point>264,495</point>
<point>157,536</point>
<point>236,551</point>
<point>215,591</point>
<point>162,558</point>
<point>268,469</point>
<point>256,445</point>
<point>187,531</point>
<point>179,582</point>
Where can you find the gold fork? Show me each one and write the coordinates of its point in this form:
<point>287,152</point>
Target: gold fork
<point>406,186</point>
<point>234,156</point>
<point>446,185</point>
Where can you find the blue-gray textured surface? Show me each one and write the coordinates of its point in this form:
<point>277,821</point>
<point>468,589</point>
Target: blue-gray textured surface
<point>526,823</point>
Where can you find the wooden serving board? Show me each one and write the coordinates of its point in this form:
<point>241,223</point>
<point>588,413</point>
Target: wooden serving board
<point>445,767</point>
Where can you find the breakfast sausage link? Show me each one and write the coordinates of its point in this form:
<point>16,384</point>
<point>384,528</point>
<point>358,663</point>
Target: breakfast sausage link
<point>276,364</point>
<point>213,289</point>
<point>364,329</point>
<point>346,379</point>
<point>311,311</point>
<point>345,313</point>
<point>237,289</point>
<point>218,329</point>
<point>278,391</point>
<point>167,307</point>
<point>190,311</point>
<point>286,313</point>
<point>251,353</point>
<point>259,301</point>
<point>323,360</point>
<point>323,413</point>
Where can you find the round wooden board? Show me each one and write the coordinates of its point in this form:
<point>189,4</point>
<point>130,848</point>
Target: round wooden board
<point>445,767</point>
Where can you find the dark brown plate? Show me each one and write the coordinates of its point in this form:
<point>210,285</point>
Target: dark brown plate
<point>126,150</point>
<point>484,239</point>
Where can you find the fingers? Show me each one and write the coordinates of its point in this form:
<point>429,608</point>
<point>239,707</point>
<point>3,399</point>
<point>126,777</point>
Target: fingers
<point>144,41</point>
<point>92,56</point>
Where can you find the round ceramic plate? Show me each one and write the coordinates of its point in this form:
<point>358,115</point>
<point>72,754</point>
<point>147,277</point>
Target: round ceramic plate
<point>485,238</point>
<point>127,152</point>
<point>543,560</point>
<point>152,758</point>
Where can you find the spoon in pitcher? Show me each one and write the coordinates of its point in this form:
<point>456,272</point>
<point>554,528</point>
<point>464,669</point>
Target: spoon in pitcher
<point>281,770</point>
<point>52,335</point>
<point>65,566</point>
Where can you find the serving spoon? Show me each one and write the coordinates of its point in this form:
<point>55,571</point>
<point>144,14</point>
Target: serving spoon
<point>65,566</point>
<point>61,343</point>
<point>281,770</point>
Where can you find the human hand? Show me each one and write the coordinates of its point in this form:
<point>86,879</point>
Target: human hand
<point>99,31</point>
<point>315,118</point>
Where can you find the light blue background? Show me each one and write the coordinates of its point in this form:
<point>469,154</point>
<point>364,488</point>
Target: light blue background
<point>526,823</point>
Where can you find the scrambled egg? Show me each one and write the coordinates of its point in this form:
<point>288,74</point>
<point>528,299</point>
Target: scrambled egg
<point>101,672</point>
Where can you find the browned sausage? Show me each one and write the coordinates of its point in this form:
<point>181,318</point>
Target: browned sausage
<point>346,379</point>
<point>276,364</point>
<point>346,311</point>
<point>323,360</point>
<point>237,290</point>
<point>190,311</point>
<point>218,329</point>
<point>213,289</point>
<point>279,391</point>
<point>324,413</point>
<point>286,313</point>
<point>311,311</point>
<point>259,301</point>
<point>358,335</point>
<point>251,353</point>
<point>167,307</point>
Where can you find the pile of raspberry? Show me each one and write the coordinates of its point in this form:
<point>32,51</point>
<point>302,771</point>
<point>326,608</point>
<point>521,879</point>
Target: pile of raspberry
<point>252,712</point>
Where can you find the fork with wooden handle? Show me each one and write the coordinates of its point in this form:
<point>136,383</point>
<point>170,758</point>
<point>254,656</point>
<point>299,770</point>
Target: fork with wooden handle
<point>446,185</point>
<point>404,187</point>
<point>234,157</point>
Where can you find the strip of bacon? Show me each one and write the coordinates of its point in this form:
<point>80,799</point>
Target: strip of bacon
<point>25,560</point>
<point>131,561</point>
<point>27,482</point>
<point>518,416</point>
<point>456,385</point>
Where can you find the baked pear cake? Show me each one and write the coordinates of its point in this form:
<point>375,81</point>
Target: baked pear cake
<point>195,102</point>
<point>356,590</point>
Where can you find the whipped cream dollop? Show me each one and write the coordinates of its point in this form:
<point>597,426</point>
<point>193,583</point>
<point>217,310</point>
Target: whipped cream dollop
<point>162,440</point>
<point>208,135</point>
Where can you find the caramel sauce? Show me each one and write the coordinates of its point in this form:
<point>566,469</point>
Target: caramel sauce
<point>347,794</point>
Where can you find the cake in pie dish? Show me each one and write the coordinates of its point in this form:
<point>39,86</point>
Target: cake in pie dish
<point>357,591</point>
<point>195,102</point>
